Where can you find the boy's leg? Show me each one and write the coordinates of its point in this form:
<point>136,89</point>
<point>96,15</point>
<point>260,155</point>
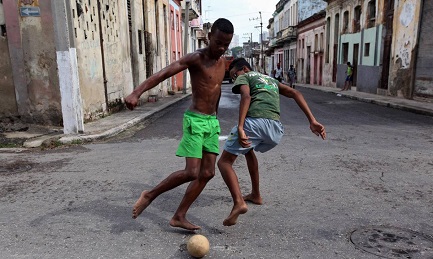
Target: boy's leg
<point>206,173</point>
<point>253,169</point>
<point>175,179</point>
<point>225,165</point>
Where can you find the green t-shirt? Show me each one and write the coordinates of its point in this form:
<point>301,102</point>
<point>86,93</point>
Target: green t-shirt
<point>265,97</point>
<point>349,70</point>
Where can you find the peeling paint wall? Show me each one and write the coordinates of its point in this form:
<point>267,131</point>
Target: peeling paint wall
<point>307,8</point>
<point>312,35</point>
<point>33,59</point>
<point>104,69</point>
<point>423,85</point>
<point>8,104</point>
<point>405,37</point>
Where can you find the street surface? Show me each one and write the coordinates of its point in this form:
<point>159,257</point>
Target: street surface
<point>365,192</point>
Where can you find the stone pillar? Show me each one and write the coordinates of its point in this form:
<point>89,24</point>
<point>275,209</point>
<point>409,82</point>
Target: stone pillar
<point>67,67</point>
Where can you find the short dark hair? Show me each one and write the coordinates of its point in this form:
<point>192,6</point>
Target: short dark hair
<point>223,25</point>
<point>239,63</point>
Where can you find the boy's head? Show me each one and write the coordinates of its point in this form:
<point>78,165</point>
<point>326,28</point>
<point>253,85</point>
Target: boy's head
<point>220,36</point>
<point>237,65</point>
<point>222,25</point>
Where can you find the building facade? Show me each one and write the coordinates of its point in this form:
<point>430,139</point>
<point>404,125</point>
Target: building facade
<point>310,49</point>
<point>69,62</point>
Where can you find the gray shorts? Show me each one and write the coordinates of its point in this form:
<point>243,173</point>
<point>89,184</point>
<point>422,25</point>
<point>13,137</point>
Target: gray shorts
<point>264,134</point>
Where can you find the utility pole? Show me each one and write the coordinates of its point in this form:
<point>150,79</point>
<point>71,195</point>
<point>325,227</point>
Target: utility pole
<point>261,43</point>
<point>261,40</point>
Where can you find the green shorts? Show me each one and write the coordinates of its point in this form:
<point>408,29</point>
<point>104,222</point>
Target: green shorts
<point>200,134</point>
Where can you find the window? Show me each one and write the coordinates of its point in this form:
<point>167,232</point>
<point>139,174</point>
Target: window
<point>316,42</point>
<point>367,49</point>
<point>140,42</point>
<point>157,34</point>
<point>345,52</point>
<point>337,28</point>
<point>357,19</point>
<point>346,21</point>
<point>371,15</point>
<point>328,32</point>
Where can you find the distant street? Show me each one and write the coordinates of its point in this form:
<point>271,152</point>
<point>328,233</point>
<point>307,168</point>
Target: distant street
<point>364,192</point>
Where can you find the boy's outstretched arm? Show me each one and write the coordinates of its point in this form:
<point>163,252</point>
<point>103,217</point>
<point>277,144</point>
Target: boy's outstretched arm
<point>315,126</point>
<point>170,70</point>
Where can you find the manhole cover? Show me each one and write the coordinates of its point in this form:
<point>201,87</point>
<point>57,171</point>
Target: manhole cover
<point>15,168</point>
<point>393,242</point>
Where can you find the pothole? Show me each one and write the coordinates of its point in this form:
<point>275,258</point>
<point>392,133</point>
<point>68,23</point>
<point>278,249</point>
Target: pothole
<point>393,242</point>
<point>16,167</point>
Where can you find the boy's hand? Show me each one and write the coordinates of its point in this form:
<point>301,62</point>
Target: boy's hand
<point>243,139</point>
<point>318,129</point>
<point>131,101</point>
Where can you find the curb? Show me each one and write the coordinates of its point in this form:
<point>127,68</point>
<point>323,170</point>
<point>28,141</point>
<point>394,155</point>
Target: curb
<point>68,139</point>
<point>375,100</point>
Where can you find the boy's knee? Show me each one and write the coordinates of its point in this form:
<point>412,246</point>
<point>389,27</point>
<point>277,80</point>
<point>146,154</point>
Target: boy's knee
<point>207,175</point>
<point>193,173</point>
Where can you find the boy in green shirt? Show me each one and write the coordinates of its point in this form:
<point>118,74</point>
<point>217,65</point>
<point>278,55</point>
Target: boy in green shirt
<point>349,77</point>
<point>259,129</point>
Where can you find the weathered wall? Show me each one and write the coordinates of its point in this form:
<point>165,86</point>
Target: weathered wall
<point>308,34</point>
<point>8,104</point>
<point>157,24</point>
<point>33,58</point>
<point>368,79</point>
<point>104,69</point>
<point>307,8</point>
<point>424,66</point>
<point>332,10</point>
<point>406,25</point>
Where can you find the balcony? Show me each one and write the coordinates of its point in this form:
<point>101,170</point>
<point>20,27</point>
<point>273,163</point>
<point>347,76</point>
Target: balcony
<point>194,9</point>
<point>288,34</point>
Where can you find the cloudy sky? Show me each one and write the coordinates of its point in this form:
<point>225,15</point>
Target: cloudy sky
<point>242,13</point>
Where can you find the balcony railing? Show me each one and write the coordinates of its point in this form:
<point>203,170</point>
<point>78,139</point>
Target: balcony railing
<point>194,9</point>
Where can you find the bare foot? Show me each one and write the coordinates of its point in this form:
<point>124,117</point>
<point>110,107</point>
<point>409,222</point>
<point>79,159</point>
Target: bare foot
<point>254,199</point>
<point>183,223</point>
<point>234,214</point>
<point>140,205</point>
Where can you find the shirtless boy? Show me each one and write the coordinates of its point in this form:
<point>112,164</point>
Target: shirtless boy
<point>199,144</point>
<point>259,129</point>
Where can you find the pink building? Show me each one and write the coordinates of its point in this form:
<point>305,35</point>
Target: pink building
<point>176,41</point>
<point>310,49</point>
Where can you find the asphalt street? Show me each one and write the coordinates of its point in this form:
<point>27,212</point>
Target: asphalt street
<point>365,192</point>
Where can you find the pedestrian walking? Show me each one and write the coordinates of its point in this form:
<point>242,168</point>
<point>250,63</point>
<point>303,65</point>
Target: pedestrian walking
<point>279,73</point>
<point>292,76</point>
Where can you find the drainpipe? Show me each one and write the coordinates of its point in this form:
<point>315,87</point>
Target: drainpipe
<point>415,54</point>
<point>101,41</point>
<point>185,42</point>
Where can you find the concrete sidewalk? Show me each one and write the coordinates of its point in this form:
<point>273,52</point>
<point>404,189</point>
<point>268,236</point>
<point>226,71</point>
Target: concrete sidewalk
<point>118,122</point>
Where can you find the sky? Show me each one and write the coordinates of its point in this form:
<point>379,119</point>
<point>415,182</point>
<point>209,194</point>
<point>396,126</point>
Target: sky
<point>244,14</point>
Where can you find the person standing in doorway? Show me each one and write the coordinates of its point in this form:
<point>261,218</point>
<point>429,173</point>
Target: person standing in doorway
<point>349,77</point>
